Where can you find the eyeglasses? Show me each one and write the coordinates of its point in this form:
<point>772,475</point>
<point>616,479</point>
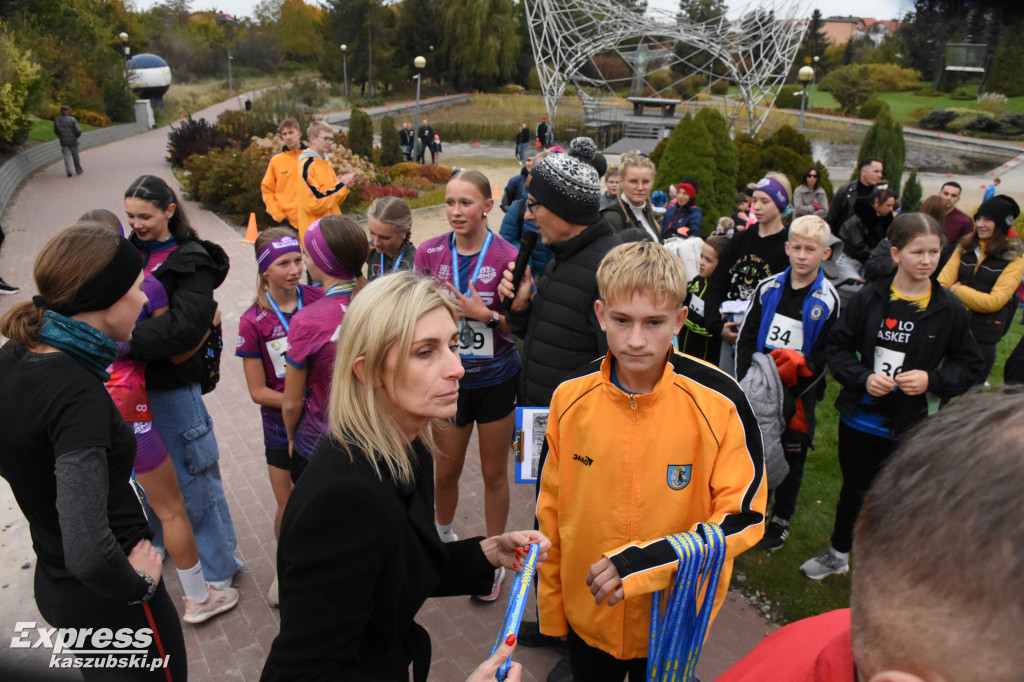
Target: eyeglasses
<point>530,205</point>
<point>812,175</point>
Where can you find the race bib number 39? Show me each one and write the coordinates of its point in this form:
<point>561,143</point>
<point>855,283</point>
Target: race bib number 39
<point>785,332</point>
<point>476,340</point>
<point>888,362</point>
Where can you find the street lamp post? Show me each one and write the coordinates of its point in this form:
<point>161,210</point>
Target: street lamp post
<point>814,80</point>
<point>419,63</point>
<point>231,87</point>
<point>125,50</point>
<point>344,67</point>
<point>804,75</point>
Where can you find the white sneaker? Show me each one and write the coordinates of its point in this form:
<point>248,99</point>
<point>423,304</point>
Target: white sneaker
<point>272,594</point>
<point>829,562</point>
<point>218,600</point>
<point>450,536</point>
<point>495,592</point>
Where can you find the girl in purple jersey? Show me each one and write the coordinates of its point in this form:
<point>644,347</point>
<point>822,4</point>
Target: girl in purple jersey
<point>334,251</point>
<point>468,261</point>
<point>262,344</point>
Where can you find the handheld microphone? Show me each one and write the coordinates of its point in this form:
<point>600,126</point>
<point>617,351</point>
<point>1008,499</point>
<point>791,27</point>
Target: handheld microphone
<point>526,244</point>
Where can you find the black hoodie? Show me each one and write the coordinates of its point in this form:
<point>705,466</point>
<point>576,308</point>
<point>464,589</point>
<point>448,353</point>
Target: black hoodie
<point>862,231</point>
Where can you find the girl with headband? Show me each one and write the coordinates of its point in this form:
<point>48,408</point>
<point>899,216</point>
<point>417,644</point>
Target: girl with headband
<point>152,465</point>
<point>335,248</point>
<point>358,554</point>
<point>749,257</point>
<point>68,453</point>
<point>389,221</point>
<point>468,261</point>
<point>262,344</point>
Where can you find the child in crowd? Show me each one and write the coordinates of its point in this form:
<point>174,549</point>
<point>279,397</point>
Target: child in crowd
<point>319,191</point>
<point>899,339</point>
<point>281,181</point>
<point>262,345</point>
<point>153,467</point>
<point>694,339</point>
<point>790,317</point>
<point>639,412</point>
<point>610,196</point>
<point>741,215</point>
<point>726,226</point>
<point>334,251</point>
<point>435,146</point>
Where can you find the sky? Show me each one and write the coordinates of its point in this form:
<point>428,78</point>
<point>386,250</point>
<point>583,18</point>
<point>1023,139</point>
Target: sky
<point>878,9</point>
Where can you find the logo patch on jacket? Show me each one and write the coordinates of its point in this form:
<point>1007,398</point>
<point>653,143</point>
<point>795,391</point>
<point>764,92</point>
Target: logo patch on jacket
<point>816,312</point>
<point>678,476</point>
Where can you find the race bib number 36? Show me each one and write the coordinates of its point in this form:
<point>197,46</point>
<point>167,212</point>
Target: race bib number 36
<point>888,362</point>
<point>476,340</point>
<point>785,332</point>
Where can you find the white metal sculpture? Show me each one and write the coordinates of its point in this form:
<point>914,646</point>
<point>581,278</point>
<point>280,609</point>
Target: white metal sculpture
<point>754,50</point>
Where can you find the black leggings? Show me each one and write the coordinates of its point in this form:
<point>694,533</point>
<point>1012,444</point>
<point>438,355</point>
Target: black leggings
<point>594,665</point>
<point>861,456</point>
<point>71,604</point>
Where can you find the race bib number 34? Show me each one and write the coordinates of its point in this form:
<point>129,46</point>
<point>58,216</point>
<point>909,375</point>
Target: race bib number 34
<point>785,332</point>
<point>888,362</point>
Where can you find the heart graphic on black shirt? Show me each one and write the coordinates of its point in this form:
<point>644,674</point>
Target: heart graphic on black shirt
<point>890,323</point>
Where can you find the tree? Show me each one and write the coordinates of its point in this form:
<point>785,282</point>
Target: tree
<point>1008,64</point>
<point>390,144</point>
<point>884,141</point>
<point>718,199</point>
<point>910,200</point>
<point>18,77</point>
<point>814,44</point>
<point>298,31</point>
<point>689,154</point>
<point>481,42</point>
<point>360,134</point>
<point>850,86</point>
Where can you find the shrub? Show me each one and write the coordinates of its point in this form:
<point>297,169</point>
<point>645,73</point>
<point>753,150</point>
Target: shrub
<point>436,174</point>
<point>884,140</point>
<point>893,78</point>
<point>720,87</point>
<point>992,103</point>
<point>983,123</point>
<point>390,144</point>
<point>872,108</point>
<point>18,78</point>
<point>606,67</point>
<point>912,193</point>
<point>938,119</point>
<point>961,96</point>
<point>659,151</point>
<point>661,80</point>
<point>404,169</point>
<point>511,89</point>
<point>191,137</point>
<point>360,133</point>
<point>928,92</point>
<point>851,86</point>
<point>117,102</point>
<point>789,97</point>
<point>244,125</point>
<point>227,181</point>
<point>788,136</point>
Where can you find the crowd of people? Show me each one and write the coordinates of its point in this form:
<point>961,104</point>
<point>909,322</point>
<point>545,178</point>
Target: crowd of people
<point>681,374</point>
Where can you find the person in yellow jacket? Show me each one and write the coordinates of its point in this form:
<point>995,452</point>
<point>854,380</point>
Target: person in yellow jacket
<point>320,192</point>
<point>642,444</point>
<point>281,179</point>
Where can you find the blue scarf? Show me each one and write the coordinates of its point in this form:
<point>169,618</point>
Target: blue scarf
<point>90,347</point>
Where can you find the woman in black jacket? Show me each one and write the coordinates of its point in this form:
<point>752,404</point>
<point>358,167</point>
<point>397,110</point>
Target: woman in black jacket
<point>868,225</point>
<point>901,340</point>
<point>633,208</point>
<point>359,553</point>
<point>189,269</point>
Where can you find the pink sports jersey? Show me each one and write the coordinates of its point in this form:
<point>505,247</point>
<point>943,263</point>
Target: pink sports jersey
<point>261,335</point>
<point>127,383</point>
<point>311,346</point>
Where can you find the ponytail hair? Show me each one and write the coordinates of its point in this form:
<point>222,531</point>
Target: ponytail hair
<point>347,242</point>
<point>69,260</point>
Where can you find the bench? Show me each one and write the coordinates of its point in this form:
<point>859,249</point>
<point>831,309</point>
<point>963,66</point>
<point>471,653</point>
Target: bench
<point>667,106</point>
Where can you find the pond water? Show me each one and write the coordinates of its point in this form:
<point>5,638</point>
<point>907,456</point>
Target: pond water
<point>923,158</point>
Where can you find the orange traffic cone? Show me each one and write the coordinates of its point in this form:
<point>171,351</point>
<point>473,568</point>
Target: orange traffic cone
<point>250,233</point>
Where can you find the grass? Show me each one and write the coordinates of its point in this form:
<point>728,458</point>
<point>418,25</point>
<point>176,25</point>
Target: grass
<point>498,117</point>
<point>188,98</point>
<point>42,130</point>
<point>775,575</point>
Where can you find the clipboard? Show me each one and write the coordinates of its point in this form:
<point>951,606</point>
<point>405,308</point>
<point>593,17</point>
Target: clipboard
<point>531,425</point>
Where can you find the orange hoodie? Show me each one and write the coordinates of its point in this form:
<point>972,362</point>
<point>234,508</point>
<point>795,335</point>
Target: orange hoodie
<point>279,186</point>
<point>318,193</point>
<point>622,472</point>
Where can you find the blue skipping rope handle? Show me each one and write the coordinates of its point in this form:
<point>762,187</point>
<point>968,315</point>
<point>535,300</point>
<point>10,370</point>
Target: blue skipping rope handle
<point>678,628</point>
<point>516,606</point>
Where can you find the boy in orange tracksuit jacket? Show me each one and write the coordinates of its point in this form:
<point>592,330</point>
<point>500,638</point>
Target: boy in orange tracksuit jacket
<point>642,444</point>
<point>282,177</point>
<point>320,191</point>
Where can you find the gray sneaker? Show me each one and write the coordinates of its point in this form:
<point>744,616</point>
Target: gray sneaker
<point>829,562</point>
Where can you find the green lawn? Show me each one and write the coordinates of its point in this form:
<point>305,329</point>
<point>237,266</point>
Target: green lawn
<point>775,575</point>
<point>42,130</point>
<point>907,108</point>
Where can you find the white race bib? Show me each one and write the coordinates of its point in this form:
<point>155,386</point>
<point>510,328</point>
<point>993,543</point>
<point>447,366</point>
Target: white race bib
<point>476,340</point>
<point>888,362</point>
<point>785,332</point>
<point>276,350</point>
<point>697,305</point>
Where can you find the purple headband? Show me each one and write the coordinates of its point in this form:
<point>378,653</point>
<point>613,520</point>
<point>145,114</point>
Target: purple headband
<point>322,256</point>
<point>274,250</point>
<point>774,189</point>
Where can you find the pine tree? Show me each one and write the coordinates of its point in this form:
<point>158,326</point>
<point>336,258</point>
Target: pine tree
<point>360,134</point>
<point>390,144</point>
<point>884,141</point>
<point>910,200</point>
<point>689,154</point>
<point>721,200</point>
<point>1007,65</point>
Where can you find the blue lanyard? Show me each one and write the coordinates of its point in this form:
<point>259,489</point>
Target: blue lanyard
<point>277,310</point>
<point>342,288</point>
<point>677,635</point>
<point>516,606</point>
<point>398,261</point>
<point>479,262</point>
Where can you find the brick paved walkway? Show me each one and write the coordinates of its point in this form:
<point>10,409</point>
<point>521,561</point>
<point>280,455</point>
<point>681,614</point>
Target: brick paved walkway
<point>234,646</point>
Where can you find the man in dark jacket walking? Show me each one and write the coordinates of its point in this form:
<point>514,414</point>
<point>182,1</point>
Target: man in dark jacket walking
<point>66,127</point>
<point>841,209</point>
